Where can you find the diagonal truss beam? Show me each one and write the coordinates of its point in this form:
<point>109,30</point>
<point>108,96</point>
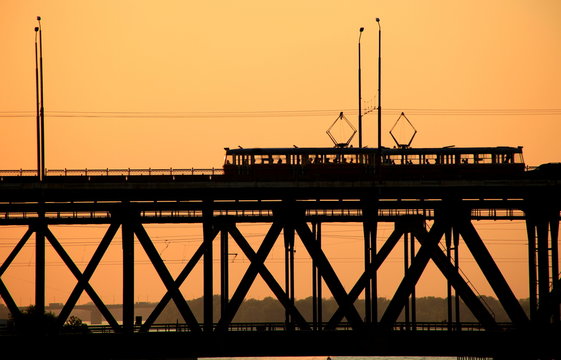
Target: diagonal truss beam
<point>10,303</point>
<point>361,283</point>
<point>166,277</point>
<point>4,292</point>
<point>492,272</point>
<point>429,250</point>
<point>178,282</point>
<point>267,277</point>
<point>76,272</point>
<point>412,276</point>
<point>86,276</point>
<point>463,290</point>
<point>249,276</point>
<point>6,264</point>
<point>329,275</point>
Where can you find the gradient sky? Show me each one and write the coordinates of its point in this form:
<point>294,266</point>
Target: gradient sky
<point>138,84</point>
<point>161,59</point>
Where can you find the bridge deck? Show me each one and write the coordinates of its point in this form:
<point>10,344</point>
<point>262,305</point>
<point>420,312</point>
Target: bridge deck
<point>163,199</point>
<point>129,201</point>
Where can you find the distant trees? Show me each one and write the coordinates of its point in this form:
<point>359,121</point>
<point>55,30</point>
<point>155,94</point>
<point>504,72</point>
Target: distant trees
<point>75,325</point>
<point>32,321</point>
<point>427,309</point>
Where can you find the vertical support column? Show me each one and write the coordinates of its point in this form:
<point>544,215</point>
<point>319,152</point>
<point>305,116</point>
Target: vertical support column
<point>413,295</point>
<point>40,263</point>
<point>316,281</point>
<point>532,274</point>
<point>405,268</point>
<point>448,240</point>
<point>554,230</point>
<point>370,229</point>
<point>367,261</point>
<point>319,283</point>
<point>374,280</point>
<point>128,273</point>
<point>224,276</point>
<point>289,268</point>
<point>456,236</point>
<point>207,269</point>
<point>543,270</point>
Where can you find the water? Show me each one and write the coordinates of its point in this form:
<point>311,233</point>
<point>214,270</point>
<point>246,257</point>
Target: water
<point>343,358</point>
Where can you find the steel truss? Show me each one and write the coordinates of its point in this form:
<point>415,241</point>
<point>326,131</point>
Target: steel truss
<point>432,220</point>
<point>451,220</point>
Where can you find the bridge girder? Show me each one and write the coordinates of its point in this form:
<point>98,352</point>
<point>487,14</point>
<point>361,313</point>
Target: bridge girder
<point>300,219</point>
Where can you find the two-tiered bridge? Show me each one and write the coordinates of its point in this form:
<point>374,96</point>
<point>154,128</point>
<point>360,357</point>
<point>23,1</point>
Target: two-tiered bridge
<point>432,218</point>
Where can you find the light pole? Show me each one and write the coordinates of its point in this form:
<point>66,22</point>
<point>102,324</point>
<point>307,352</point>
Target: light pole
<point>41,107</point>
<point>38,104</point>
<point>359,93</point>
<point>379,84</point>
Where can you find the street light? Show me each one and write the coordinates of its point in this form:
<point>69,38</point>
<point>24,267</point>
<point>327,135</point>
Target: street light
<point>38,108</point>
<point>379,84</point>
<point>41,115</point>
<point>359,93</point>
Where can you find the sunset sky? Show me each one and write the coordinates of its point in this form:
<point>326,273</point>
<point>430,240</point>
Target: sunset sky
<point>160,84</point>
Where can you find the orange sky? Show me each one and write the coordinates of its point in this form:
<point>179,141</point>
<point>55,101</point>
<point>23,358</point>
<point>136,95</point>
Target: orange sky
<point>497,63</point>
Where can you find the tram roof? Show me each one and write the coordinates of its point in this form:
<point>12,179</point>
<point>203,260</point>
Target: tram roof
<point>389,151</point>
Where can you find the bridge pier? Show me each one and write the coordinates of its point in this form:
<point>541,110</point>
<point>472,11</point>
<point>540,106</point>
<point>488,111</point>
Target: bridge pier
<point>288,233</point>
<point>452,239</point>
<point>224,270</point>
<point>409,253</point>
<point>208,236</point>
<point>542,225</point>
<point>127,234</point>
<point>370,233</point>
<point>317,308</point>
<point>40,226</point>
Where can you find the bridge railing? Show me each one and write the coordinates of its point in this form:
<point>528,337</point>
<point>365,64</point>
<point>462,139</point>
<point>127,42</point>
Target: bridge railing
<point>283,327</point>
<point>116,172</point>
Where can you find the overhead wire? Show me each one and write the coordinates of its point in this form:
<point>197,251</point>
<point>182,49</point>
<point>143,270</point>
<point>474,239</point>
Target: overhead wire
<point>283,113</point>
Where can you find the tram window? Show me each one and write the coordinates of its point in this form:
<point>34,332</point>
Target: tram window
<point>486,158</point>
<point>276,159</point>
<point>295,159</point>
<point>482,158</point>
<point>431,159</point>
<point>393,160</point>
<point>507,158</point>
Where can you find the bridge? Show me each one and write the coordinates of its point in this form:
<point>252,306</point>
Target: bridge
<point>432,219</point>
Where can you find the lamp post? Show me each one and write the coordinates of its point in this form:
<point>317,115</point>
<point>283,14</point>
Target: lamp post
<point>359,93</point>
<point>379,84</point>
<point>38,104</point>
<point>41,105</point>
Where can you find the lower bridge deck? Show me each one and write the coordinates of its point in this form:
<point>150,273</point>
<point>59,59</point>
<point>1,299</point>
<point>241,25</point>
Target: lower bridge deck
<point>370,342</point>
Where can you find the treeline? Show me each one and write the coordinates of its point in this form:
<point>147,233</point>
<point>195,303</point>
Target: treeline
<point>430,309</point>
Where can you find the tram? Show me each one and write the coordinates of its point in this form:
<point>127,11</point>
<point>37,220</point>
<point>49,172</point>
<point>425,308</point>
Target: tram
<point>349,163</point>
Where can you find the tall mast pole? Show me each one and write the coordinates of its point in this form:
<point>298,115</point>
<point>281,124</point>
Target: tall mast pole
<point>359,93</point>
<point>38,111</point>
<point>42,108</point>
<point>379,84</point>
